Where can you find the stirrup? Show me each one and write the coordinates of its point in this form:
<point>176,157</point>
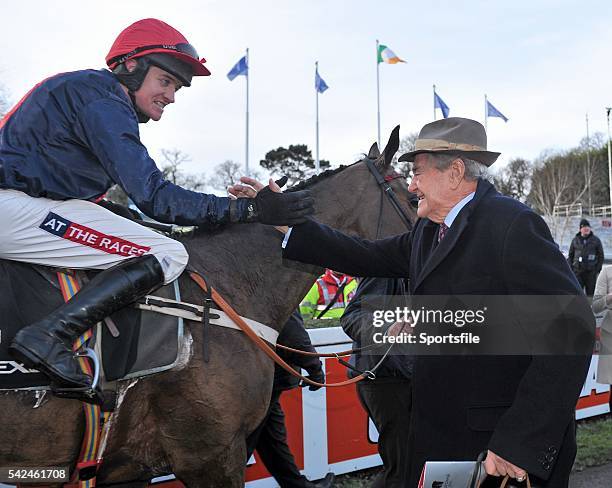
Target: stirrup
<point>90,394</point>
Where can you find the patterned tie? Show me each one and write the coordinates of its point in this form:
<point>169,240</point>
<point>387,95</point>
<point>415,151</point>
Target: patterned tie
<point>442,231</point>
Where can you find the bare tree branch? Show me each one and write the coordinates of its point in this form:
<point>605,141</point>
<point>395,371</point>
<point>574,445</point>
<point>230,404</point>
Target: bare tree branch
<point>229,173</point>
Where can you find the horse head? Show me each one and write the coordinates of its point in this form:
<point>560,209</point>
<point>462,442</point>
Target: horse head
<point>354,198</point>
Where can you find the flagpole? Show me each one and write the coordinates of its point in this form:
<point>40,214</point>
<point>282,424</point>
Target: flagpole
<point>608,110</point>
<point>317,163</point>
<point>434,101</point>
<point>486,113</point>
<point>588,161</point>
<point>378,92</point>
<point>247,114</point>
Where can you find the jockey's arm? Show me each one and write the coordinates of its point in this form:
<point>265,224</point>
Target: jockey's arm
<point>110,129</point>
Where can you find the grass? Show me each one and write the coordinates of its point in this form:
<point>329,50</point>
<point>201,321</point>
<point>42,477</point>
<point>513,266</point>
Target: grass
<point>594,438</point>
<point>357,479</point>
<point>321,324</point>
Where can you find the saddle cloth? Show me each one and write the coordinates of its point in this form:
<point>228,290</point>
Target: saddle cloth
<point>148,342</point>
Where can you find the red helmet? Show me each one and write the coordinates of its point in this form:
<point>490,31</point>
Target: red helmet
<point>149,36</point>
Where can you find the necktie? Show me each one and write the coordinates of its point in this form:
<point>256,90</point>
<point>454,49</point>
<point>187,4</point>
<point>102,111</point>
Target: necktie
<point>442,231</point>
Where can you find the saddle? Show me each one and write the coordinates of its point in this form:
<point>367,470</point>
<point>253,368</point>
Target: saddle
<point>129,344</point>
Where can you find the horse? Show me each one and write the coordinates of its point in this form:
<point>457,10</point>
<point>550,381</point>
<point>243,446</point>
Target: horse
<point>193,422</point>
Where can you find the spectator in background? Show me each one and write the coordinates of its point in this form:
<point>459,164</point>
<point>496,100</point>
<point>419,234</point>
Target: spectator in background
<point>586,257</point>
<point>388,398</point>
<point>329,296</point>
<point>602,302</point>
<point>270,438</point>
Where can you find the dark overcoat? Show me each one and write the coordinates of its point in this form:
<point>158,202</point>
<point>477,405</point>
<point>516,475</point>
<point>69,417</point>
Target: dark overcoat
<point>520,407</point>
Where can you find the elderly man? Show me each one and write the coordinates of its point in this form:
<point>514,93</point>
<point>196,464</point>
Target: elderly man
<point>470,240</point>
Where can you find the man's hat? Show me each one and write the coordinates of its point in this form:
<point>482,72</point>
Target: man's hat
<point>584,223</point>
<point>455,135</point>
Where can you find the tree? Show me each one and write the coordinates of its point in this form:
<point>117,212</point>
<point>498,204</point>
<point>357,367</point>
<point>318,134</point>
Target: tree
<point>557,181</point>
<point>295,162</point>
<point>515,179</point>
<point>595,162</point>
<point>170,167</point>
<point>229,173</point>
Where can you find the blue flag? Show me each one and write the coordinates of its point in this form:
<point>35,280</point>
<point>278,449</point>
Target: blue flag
<point>439,103</point>
<point>493,112</point>
<point>240,68</point>
<point>320,84</point>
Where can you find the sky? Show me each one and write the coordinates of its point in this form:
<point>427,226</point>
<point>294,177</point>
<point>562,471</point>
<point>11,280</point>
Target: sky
<point>544,64</point>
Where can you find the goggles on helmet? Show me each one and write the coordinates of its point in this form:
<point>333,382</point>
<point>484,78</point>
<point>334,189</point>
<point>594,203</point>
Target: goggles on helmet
<point>183,48</point>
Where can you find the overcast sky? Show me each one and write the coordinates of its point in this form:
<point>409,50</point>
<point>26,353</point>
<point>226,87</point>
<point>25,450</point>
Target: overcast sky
<point>543,63</point>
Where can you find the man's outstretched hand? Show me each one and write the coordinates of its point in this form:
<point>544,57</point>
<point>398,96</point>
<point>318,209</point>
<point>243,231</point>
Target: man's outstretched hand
<point>248,187</point>
<point>271,206</point>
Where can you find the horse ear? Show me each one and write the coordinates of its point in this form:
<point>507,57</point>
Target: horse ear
<point>392,146</point>
<point>374,153</point>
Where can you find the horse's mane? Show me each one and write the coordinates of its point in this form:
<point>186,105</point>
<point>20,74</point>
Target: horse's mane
<point>321,176</point>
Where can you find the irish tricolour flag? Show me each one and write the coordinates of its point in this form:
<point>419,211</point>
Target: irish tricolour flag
<point>385,55</point>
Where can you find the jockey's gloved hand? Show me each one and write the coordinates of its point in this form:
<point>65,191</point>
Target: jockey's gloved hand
<point>283,208</point>
<point>272,208</point>
<point>315,375</point>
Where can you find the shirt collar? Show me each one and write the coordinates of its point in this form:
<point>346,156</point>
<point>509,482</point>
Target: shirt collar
<point>452,215</point>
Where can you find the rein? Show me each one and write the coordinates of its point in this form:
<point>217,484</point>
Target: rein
<point>260,343</point>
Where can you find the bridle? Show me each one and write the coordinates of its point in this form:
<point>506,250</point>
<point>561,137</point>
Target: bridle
<point>386,189</point>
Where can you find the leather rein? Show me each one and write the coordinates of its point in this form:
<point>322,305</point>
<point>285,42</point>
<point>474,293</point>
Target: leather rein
<point>211,293</point>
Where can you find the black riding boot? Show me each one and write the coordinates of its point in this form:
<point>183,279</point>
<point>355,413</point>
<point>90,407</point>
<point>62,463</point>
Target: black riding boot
<point>47,344</point>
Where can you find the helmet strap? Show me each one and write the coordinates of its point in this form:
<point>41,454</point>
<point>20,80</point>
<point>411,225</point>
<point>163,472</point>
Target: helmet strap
<point>142,117</point>
<point>133,80</point>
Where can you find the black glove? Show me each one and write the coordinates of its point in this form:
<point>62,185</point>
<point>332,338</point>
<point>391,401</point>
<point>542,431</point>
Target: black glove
<point>283,208</point>
<point>273,208</point>
<point>316,375</point>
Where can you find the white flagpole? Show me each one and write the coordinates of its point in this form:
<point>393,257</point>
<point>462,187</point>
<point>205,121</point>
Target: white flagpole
<point>247,114</point>
<point>434,101</point>
<point>588,160</point>
<point>317,163</point>
<point>378,92</point>
<point>486,114</point>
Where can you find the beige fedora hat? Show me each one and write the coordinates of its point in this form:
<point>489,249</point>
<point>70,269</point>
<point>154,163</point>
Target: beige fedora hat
<point>454,135</point>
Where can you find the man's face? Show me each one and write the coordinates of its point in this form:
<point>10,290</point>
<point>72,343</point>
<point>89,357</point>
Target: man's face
<point>585,231</point>
<point>157,91</point>
<point>433,187</point>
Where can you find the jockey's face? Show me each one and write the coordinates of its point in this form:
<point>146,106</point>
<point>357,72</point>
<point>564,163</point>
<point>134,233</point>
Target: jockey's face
<point>157,91</point>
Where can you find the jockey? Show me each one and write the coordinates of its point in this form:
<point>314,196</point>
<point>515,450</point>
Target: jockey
<point>63,146</point>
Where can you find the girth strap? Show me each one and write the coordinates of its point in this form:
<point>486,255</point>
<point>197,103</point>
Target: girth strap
<point>190,311</point>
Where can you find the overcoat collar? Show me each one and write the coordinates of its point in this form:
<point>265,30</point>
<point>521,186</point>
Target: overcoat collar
<point>452,236</point>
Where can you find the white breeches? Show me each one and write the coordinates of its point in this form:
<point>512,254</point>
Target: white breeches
<point>79,234</point>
